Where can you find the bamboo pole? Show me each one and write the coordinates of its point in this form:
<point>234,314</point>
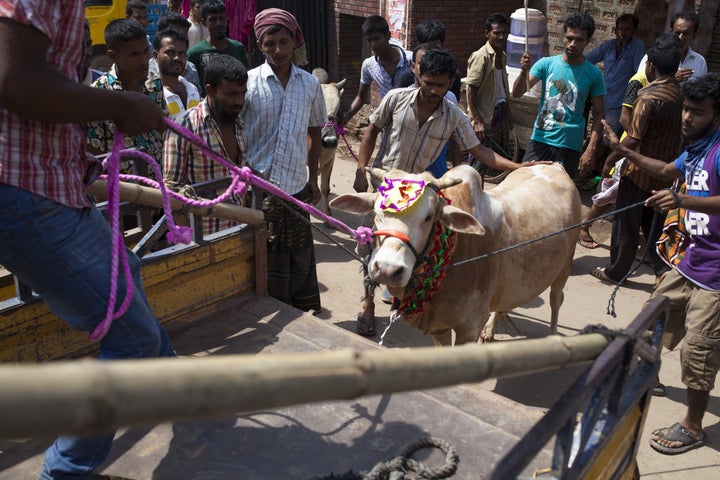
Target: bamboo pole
<point>88,396</point>
<point>527,45</point>
<point>131,192</point>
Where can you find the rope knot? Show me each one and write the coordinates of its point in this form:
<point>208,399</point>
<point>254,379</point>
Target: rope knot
<point>180,235</point>
<point>363,235</point>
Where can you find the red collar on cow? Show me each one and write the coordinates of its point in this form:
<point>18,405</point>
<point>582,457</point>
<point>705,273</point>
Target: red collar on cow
<point>429,275</point>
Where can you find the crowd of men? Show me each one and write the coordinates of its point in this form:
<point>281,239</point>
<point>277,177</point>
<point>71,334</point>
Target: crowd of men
<point>270,118</point>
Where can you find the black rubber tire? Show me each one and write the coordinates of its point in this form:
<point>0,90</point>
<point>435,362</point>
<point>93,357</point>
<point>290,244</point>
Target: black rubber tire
<point>511,151</point>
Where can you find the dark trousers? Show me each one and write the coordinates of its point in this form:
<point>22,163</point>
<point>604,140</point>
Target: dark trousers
<point>626,231</point>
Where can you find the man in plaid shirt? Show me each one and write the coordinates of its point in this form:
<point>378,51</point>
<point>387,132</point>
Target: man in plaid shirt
<point>51,235</point>
<point>216,119</point>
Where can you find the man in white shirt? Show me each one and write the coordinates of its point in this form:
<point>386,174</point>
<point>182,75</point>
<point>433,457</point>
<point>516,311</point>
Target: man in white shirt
<point>198,31</point>
<point>170,53</point>
<point>177,21</point>
<point>685,25</point>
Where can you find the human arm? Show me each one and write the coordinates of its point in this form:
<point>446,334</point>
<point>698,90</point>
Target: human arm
<point>56,98</point>
<point>526,80</point>
<point>455,154</point>
<point>664,200</point>
<point>314,144</point>
<point>476,72</point>
<point>611,160</point>
<point>654,167</point>
<point>625,117</point>
<point>477,120</point>
<point>362,97</point>
<point>588,156</point>
<point>367,146</point>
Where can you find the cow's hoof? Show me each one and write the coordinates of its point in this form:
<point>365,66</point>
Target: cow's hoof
<point>365,326</point>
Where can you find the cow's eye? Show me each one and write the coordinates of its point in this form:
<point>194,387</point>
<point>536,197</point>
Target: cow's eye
<point>428,218</point>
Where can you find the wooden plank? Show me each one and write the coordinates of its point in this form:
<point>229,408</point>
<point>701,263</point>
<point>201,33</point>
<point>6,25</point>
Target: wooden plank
<point>192,279</point>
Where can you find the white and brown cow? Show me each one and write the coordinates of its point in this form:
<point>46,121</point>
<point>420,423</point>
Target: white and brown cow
<point>332,93</point>
<point>530,203</point>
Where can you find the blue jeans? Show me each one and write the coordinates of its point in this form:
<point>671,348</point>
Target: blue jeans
<point>64,255</point>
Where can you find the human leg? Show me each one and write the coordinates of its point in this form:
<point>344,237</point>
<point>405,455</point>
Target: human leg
<point>584,238</point>
<point>652,229</point>
<point>63,254</point>
<point>625,231</point>
<point>366,318</point>
<point>700,361</point>
<point>292,272</point>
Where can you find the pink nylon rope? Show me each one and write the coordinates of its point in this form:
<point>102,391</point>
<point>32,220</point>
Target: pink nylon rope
<point>242,178</point>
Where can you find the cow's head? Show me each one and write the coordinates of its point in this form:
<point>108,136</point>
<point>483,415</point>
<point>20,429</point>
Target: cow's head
<point>332,93</point>
<point>407,207</point>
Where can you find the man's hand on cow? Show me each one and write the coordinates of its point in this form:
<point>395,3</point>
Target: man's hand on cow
<point>360,184</point>
<point>536,162</point>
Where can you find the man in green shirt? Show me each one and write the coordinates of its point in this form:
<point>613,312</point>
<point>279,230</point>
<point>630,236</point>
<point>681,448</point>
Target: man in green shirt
<point>214,17</point>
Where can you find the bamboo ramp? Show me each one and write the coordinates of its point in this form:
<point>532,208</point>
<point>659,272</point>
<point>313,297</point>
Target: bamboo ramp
<point>483,421</point>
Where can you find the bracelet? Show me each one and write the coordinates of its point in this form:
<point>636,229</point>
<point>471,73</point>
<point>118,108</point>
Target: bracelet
<point>676,197</point>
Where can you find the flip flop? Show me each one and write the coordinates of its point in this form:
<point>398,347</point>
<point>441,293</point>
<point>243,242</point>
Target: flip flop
<point>599,273</point>
<point>363,328</point>
<point>659,390</point>
<point>586,240</point>
<point>676,433</point>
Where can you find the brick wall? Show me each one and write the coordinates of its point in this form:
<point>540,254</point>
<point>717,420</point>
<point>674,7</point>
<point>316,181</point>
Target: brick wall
<point>464,21</point>
<point>346,47</point>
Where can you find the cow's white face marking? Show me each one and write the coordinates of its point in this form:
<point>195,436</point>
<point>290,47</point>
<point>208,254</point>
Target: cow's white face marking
<point>392,262</point>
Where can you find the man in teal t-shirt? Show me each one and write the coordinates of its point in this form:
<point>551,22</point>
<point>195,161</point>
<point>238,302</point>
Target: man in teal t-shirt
<point>214,16</point>
<point>567,81</point>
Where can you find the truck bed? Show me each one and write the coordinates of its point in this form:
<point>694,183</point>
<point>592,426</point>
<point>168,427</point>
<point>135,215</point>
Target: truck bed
<point>307,440</point>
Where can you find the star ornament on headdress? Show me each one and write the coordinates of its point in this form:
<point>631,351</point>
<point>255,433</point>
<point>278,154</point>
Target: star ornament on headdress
<point>399,194</point>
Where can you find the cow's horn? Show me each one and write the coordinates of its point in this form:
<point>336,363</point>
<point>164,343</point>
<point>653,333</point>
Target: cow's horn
<point>339,85</point>
<point>377,173</point>
<point>447,182</point>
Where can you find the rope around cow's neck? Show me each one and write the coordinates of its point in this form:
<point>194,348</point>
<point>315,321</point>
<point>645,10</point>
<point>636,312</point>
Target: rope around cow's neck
<point>242,178</point>
<point>340,130</point>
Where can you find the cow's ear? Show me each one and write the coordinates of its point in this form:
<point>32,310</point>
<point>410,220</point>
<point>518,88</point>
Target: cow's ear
<point>460,221</point>
<point>358,203</point>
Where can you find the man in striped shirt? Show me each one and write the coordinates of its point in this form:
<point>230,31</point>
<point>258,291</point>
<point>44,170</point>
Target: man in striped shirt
<point>284,106</point>
<point>655,131</point>
<point>216,119</point>
<point>51,235</point>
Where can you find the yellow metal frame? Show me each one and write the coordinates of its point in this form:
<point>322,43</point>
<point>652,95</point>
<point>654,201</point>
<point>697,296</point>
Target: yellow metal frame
<point>99,16</point>
<point>182,288</point>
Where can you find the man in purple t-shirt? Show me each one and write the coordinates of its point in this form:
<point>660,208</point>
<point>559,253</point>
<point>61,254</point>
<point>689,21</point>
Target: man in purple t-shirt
<point>693,286</point>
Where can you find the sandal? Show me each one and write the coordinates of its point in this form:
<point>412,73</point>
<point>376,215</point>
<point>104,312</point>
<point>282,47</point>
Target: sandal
<point>676,433</point>
<point>599,273</point>
<point>364,328</point>
<point>586,240</point>
<point>659,390</point>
